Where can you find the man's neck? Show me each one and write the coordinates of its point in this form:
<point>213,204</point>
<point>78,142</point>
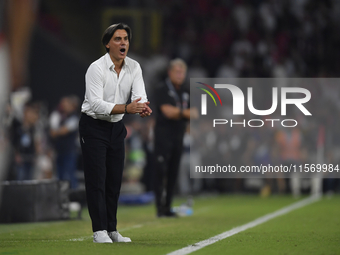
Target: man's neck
<point>118,63</point>
<point>177,87</point>
<point>26,124</point>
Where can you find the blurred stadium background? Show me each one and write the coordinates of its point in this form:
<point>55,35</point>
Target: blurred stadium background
<point>47,45</point>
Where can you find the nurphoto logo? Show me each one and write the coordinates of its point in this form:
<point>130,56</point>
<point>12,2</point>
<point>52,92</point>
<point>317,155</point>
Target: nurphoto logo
<point>255,128</point>
<point>238,106</point>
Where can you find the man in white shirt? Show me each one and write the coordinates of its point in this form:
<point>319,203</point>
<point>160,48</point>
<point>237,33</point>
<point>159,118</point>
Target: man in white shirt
<point>64,131</point>
<point>109,82</point>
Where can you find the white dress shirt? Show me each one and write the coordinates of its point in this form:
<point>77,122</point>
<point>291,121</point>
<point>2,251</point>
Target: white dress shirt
<point>71,122</point>
<point>104,89</point>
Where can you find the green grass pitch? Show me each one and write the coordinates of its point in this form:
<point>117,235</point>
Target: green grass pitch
<point>313,229</point>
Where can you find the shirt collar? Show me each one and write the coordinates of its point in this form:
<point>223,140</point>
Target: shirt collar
<point>110,64</point>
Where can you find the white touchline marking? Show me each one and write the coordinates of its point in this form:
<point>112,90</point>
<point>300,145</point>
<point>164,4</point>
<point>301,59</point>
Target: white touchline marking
<point>258,221</point>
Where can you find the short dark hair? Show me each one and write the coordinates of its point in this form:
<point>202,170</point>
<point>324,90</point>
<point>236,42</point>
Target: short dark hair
<point>111,30</point>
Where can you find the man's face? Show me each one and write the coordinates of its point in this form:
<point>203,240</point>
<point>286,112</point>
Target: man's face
<point>66,105</point>
<point>118,45</point>
<point>31,115</point>
<point>177,75</point>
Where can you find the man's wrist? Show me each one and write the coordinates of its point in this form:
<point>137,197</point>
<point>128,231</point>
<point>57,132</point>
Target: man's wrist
<point>126,112</point>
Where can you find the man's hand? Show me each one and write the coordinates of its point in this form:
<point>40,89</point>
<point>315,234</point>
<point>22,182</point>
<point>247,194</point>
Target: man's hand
<point>175,113</point>
<point>194,113</point>
<point>59,132</point>
<point>147,111</point>
<point>135,107</point>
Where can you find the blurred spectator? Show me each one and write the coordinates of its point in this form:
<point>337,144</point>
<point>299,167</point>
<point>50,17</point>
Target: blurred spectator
<point>173,112</point>
<point>135,158</point>
<point>187,185</point>
<point>227,70</point>
<point>242,13</point>
<point>196,70</point>
<point>290,142</point>
<point>24,137</point>
<point>64,131</point>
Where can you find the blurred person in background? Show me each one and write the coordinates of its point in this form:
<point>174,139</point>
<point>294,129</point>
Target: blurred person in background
<point>64,132</point>
<point>109,82</point>
<point>186,185</point>
<point>25,143</point>
<point>289,143</point>
<point>173,112</point>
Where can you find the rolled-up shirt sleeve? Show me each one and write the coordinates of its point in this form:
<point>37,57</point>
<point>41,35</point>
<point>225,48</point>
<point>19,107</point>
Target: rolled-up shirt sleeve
<point>94,80</point>
<point>138,87</point>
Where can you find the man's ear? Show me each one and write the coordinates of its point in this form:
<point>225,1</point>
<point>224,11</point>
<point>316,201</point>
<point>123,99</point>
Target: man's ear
<point>107,46</point>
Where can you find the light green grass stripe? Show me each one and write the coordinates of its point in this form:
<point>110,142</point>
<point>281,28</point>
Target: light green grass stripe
<point>258,221</point>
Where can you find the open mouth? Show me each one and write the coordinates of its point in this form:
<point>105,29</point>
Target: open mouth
<point>122,50</point>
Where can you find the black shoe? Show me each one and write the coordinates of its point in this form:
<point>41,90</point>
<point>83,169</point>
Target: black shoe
<point>170,214</point>
<point>160,215</point>
<point>166,213</point>
<point>160,212</point>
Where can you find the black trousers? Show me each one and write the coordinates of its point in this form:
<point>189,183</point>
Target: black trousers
<point>167,156</point>
<point>103,149</point>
